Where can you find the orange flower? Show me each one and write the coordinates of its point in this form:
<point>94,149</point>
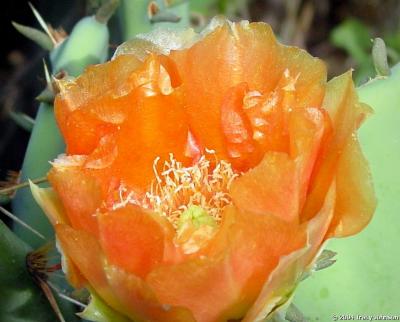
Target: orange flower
<point>204,172</point>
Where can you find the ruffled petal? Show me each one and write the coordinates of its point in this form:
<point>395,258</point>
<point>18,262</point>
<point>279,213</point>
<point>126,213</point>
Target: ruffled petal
<point>205,78</point>
<point>241,53</point>
<point>132,239</point>
<point>306,128</point>
<point>346,115</point>
<point>94,104</point>
<point>356,201</point>
<point>140,301</point>
<point>80,193</point>
<point>230,271</point>
<point>279,286</point>
<point>242,150</point>
<point>124,292</point>
<point>272,188</point>
<point>85,252</point>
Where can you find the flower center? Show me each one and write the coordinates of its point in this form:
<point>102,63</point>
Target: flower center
<point>177,188</point>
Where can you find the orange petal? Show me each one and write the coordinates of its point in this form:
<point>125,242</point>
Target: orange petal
<point>231,272</point>
<point>306,129</point>
<point>205,78</point>
<point>318,226</point>
<point>280,284</point>
<point>257,245</point>
<point>240,53</point>
<point>237,129</point>
<point>83,131</point>
<point>356,201</point>
<point>131,239</point>
<point>85,252</point>
<point>263,61</point>
<point>156,127</point>
<point>104,155</point>
<point>195,284</point>
<point>310,72</point>
<point>346,115</point>
<point>140,302</point>
<point>272,188</point>
<point>91,106</point>
<point>80,194</point>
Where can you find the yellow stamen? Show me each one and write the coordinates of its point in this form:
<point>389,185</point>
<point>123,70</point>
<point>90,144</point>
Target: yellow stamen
<point>176,188</point>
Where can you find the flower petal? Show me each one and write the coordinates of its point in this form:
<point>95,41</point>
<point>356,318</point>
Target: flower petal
<point>306,128</point>
<point>91,105</point>
<point>205,79</point>
<point>131,239</point>
<point>80,194</point>
<point>85,252</point>
<point>231,271</point>
<point>156,128</point>
<point>346,115</point>
<point>264,60</point>
<point>237,53</point>
<point>287,274</point>
<point>50,202</point>
<point>277,290</point>
<point>194,284</point>
<point>272,187</point>
<point>237,130</point>
<point>356,201</point>
<point>139,300</point>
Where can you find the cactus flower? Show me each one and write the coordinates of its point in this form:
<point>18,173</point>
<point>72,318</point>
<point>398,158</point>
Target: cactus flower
<point>204,172</point>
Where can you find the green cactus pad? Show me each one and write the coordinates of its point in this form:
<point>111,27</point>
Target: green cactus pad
<point>21,300</point>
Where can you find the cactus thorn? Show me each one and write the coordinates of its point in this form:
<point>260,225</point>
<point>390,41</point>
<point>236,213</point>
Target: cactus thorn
<point>293,314</point>
<point>25,184</point>
<point>23,120</point>
<point>66,297</point>
<point>197,19</point>
<point>42,23</point>
<point>11,180</point>
<point>22,223</point>
<point>46,73</point>
<point>46,96</point>
<point>37,265</point>
<point>38,36</point>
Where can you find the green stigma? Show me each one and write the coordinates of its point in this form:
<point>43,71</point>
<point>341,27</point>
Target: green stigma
<point>196,216</point>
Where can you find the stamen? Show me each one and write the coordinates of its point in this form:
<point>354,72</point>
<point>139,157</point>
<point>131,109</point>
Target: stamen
<point>176,188</point>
